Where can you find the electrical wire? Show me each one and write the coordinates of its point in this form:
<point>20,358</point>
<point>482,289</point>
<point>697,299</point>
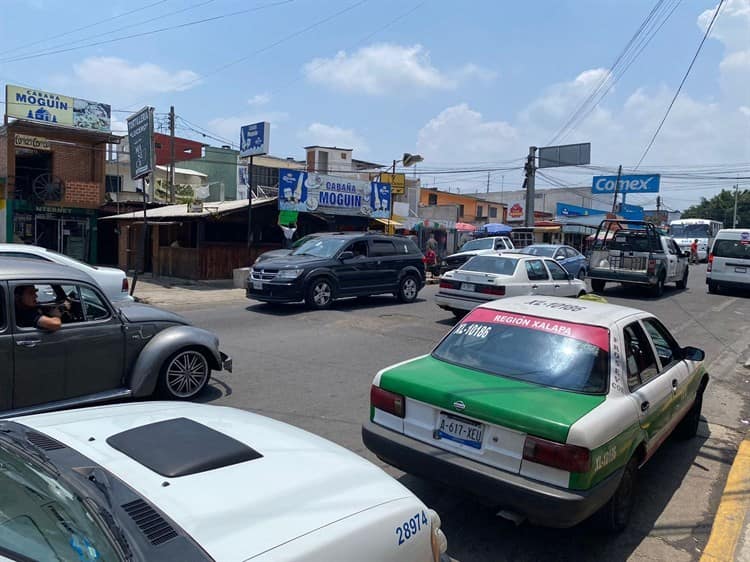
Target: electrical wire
<point>684,79</point>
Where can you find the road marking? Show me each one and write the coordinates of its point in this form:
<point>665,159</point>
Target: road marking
<point>730,517</point>
<point>725,304</point>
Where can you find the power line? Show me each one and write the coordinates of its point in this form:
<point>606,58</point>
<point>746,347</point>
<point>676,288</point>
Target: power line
<point>684,78</point>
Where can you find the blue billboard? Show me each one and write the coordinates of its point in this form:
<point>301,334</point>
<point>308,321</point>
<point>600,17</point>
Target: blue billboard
<point>312,192</point>
<point>565,210</point>
<point>627,184</point>
<point>254,139</point>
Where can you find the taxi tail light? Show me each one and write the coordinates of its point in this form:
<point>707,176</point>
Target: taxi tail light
<point>710,262</point>
<point>493,290</point>
<point>565,457</point>
<point>651,266</point>
<point>125,285</point>
<point>387,401</point>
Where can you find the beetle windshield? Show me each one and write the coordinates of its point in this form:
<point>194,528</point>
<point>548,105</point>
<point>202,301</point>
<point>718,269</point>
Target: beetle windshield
<point>536,350</point>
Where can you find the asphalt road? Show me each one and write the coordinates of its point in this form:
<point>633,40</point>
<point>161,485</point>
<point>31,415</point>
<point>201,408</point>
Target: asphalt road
<point>314,369</point>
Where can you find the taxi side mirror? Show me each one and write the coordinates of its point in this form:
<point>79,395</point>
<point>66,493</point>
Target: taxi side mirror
<point>693,354</point>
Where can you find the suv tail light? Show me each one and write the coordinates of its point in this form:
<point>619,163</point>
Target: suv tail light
<point>651,266</point>
<point>710,262</point>
<point>387,401</point>
<point>565,457</point>
<point>125,286</point>
<point>492,290</point>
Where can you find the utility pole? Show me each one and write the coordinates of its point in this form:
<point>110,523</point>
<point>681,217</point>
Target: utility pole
<point>617,188</point>
<point>529,183</point>
<point>249,207</point>
<point>736,191</point>
<point>488,182</point>
<point>172,197</point>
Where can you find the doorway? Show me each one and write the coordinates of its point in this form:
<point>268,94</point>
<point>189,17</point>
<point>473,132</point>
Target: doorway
<point>31,165</point>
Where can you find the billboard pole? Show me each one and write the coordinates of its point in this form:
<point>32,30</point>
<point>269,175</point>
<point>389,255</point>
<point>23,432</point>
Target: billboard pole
<point>617,189</point>
<point>530,181</point>
<point>249,206</point>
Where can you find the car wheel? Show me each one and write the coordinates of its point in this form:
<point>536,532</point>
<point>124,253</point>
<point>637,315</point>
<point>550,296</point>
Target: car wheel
<point>713,288</point>
<point>658,289</point>
<point>598,285</point>
<point>581,294</point>
<point>319,293</point>
<point>615,515</point>
<point>408,289</point>
<point>184,375</point>
<point>683,283</point>
<point>688,427</point>
<point>581,274</point>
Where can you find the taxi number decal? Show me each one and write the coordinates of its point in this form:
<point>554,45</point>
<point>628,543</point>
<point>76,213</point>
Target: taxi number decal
<point>410,528</point>
<point>607,457</point>
<point>480,331</point>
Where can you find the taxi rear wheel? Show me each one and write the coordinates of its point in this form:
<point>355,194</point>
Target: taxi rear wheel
<point>688,427</point>
<point>615,515</point>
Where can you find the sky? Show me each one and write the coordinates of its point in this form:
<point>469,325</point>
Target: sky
<point>470,85</point>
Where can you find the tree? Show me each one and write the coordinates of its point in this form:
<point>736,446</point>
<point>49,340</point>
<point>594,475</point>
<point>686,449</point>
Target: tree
<point>721,208</point>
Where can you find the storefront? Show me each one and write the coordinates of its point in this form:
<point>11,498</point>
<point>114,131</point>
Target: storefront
<point>52,171</point>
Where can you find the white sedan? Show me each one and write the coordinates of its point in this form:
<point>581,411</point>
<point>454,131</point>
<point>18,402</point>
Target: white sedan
<point>182,481</point>
<point>113,281</point>
<point>490,277</point>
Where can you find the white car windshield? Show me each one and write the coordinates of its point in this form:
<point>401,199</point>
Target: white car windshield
<point>480,244</point>
<point>491,264</point>
<point>526,348</point>
<point>320,247</point>
<point>62,258</point>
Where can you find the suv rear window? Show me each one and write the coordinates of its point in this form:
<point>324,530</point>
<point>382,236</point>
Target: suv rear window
<point>731,249</point>
<point>542,351</point>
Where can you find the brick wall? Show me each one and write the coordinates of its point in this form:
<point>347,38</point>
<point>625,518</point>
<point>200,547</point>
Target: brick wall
<point>88,195</point>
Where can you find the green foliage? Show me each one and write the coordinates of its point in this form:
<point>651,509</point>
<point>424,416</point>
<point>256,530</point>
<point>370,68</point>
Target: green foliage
<point>721,208</point>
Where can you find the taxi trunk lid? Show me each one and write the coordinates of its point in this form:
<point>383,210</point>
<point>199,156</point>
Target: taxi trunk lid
<point>509,409</point>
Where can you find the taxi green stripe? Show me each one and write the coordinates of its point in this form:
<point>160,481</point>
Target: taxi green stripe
<point>538,410</point>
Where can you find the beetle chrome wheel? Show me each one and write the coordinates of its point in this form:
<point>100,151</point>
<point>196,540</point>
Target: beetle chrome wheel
<point>186,374</point>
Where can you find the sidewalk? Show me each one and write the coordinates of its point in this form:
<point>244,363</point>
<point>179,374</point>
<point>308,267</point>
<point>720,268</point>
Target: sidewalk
<point>730,533</point>
<point>173,293</point>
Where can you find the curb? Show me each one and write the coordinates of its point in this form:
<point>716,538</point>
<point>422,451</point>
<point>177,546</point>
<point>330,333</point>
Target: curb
<point>729,522</point>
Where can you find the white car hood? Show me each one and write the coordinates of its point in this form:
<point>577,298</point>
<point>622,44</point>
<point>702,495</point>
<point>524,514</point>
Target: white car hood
<point>301,483</point>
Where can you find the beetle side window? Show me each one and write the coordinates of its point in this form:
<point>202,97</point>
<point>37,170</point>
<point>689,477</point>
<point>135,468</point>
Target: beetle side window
<point>93,306</point>
<point>666,346</point>
<point>536,271</point>
<point>639,358</point>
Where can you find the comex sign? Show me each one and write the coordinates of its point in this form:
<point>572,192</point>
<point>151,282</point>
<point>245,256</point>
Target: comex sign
<point>627,184</point>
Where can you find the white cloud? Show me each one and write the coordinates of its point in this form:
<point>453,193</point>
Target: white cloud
<point>118,81</point>
<point>259,99</point>
<point>331,135</point>
<point>472,71</point>
<point>229,127</point>
<point>379,69</point>
<point>732,26</point>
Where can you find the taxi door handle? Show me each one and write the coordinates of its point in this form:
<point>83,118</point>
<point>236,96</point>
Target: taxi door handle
<point>674,385</point>
<point>557,286</point>
<point>645,406</point>
<point>535,286</point>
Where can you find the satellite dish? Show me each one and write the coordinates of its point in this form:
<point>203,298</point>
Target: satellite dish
<point>410,159</point>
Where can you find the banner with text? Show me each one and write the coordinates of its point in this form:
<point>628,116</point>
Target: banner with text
<point>55,109</point>
<point>312,192</point>
<point>626,184</point>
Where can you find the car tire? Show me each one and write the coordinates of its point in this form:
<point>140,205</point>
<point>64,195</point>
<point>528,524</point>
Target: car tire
<point>319,293</point>
<point>184,374</point>
<point>598,285</point>
<point>615,515</point>
<point>658,289</point>
<point>408,288</point>
<point>581,274</point>
<point>688,427</point>
<point>581,294</point>
<point>713,288</point>
<point>682,284</point>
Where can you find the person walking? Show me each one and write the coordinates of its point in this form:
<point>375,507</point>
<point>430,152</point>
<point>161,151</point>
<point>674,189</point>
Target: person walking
<point>694,251</point>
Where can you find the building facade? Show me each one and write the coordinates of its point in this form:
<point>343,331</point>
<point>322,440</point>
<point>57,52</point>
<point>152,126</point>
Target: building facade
<point>471,208</point>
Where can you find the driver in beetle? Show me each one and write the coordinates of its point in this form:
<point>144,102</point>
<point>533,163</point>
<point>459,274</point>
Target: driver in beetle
<point>28,313</point>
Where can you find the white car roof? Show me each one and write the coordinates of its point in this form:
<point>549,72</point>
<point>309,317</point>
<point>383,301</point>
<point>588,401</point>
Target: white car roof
<point>565,309</point>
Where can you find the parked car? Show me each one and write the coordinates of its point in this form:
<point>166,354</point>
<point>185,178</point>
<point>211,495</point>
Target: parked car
<point>634,253</point>
<point>340,265</point>
<point>479,246</point>
<point>729,261</point>
<point>543,407</point>
<point>113,281</point>
<point>168,481</point>
<point>489,277</point>
<point>103,351</point>
<point>281,252</point>
<point>571,259</point>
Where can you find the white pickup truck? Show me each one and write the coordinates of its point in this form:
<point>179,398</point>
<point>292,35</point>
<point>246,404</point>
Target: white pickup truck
<point>634,253</point>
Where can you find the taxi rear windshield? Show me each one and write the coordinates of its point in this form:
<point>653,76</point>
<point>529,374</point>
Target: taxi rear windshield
<point>527,354</point>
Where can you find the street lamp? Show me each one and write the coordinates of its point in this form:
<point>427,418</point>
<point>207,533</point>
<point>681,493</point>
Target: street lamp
<point>407,160</point>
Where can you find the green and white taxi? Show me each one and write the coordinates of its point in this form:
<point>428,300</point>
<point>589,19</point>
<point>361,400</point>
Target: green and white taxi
<point>543,407</point>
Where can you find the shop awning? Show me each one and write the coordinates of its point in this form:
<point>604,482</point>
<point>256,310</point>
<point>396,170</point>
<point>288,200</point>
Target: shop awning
<point>209,209</point>
<point>388,222</point>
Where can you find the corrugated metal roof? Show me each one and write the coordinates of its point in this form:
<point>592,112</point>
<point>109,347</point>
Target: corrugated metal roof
<point>183,171</point>
<point>209,209</point>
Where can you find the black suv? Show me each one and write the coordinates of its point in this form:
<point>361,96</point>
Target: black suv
<point>340,265</point>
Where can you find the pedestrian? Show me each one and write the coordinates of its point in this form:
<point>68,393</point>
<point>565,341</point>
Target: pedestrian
<point>432,244</point>
<point>694,251</point>
<point>289,231</point>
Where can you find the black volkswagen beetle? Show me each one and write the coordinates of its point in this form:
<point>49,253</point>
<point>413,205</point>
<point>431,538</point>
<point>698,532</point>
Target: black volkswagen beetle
<point>100,352</point>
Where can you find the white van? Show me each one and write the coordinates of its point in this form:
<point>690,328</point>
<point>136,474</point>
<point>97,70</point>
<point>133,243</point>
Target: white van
<point>729,260</point>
